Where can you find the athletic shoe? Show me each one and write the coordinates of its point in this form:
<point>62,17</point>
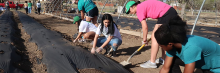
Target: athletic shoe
<point>160,61</point>
<point>113,54</point>
<point>148,64</point>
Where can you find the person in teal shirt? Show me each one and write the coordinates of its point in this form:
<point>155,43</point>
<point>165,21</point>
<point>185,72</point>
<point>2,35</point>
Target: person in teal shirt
<point>91,10</point>
<point>190,51</point>
<point>29,6</point>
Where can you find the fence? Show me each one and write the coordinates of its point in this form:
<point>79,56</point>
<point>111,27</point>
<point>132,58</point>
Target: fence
<point>188,10</point>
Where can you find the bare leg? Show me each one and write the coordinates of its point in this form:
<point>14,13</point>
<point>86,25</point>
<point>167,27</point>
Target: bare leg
<point>94,21</point>
<point>89,35</point>
<point>88,19</point>
<point>154,45</point>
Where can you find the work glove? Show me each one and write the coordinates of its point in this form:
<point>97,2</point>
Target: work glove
<point>144,42</point>
<point>99,49</point>
<point>93,51</point>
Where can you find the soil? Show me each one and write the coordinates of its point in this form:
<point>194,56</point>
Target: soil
<point>31,55</point>
<point>28,50</point>
<point>129,45</point>
<point>205,17</point>
<point>90,71</point>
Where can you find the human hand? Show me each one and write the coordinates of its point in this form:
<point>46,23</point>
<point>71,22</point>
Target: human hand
<point>99,49</point>
<point>93,51</point>
<point>144,42</point>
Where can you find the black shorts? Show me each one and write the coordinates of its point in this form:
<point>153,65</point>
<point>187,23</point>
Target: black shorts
<point>92,13</point>
<point>166,17</point>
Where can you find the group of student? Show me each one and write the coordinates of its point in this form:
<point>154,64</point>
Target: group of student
<point>28,7</point>
<point>170,33</point>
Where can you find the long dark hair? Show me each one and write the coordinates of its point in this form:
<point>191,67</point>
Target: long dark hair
<point>111,28</point>
<point>173,32</point>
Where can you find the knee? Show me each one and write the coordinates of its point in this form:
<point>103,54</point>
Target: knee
<point>115,45</point>
<point>86,36</point>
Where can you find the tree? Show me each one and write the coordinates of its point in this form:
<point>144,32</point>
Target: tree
<point>183,7</point>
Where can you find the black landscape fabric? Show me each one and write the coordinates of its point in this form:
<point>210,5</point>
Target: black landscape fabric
<point>61,57</point>
<point>8,54</point>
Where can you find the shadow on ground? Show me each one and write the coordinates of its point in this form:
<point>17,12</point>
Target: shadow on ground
<point>131,50</point>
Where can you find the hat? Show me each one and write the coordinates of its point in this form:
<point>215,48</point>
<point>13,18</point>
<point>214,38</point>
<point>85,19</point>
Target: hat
<point>128,5</point>
<point>75,19</point>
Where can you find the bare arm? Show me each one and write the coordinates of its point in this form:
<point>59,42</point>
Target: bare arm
<point>95,40</point>
<point>80,33</point>
<point>167,64</point>
<point>82,15</point>
<point>189,68</point>
<point>107,41</point>
<point>144,29</point>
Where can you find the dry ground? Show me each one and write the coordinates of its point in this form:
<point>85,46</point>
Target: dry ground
<point>129,45</point>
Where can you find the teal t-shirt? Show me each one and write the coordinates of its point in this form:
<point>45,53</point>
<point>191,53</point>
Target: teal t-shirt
<point>86,5</point>
<point>29,4</point>
<point>203,51</point>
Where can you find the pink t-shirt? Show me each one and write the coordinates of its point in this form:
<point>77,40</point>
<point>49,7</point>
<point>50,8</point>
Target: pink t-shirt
<point>151,9</point>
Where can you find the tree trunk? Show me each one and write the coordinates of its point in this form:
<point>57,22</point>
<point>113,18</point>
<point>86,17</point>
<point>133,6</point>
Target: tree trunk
<point>192,6</point>
<point>183,5</point>
<point>192,10</point>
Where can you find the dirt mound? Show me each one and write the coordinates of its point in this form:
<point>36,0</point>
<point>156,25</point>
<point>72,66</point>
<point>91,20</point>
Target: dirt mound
<point>90,71</point>
<point>31,55</point>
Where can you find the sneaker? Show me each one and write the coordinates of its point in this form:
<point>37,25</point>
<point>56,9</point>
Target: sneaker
<point>113,54</point>
<point>160,60</point>
<point>148,64</point>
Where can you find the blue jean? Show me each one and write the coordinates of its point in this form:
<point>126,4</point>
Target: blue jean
<point>29,9</point>
<point>117,41</point>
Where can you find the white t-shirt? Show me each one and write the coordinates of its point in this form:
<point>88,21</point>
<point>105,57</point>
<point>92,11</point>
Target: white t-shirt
<point>105,31</point>
<point>38,5</point>
<point>87,27</point>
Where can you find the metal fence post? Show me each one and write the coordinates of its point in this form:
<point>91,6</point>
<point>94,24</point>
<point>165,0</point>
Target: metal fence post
<point>216,22</point>
<point>121,10</point>
<point>197,17</point>
<point>102,10</point>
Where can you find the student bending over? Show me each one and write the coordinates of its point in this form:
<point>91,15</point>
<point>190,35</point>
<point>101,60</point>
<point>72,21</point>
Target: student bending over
<point>86,29</point>
<point>190,51</point>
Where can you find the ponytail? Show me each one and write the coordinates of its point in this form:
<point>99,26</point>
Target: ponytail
<point>174,31</point>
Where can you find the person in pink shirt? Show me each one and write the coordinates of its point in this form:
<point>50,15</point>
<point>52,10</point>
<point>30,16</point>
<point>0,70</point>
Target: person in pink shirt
<point>156,10</point>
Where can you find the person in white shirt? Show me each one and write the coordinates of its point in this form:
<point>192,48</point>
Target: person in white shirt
<point>38,7</point>
<point>112,36</point>
<point>87,29</point>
